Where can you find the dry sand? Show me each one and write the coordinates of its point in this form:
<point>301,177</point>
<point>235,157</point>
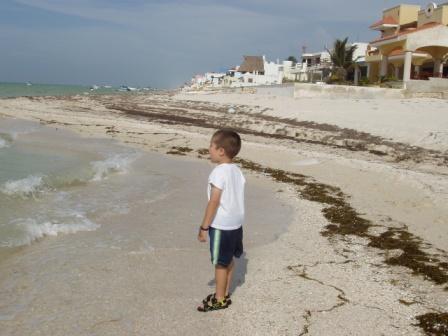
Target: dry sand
<point>365,253</point>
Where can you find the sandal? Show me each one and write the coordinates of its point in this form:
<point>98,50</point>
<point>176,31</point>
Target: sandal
<point>211,296</point>
<point>213,305</point>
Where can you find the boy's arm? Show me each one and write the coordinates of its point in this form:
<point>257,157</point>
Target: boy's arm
<point>210,212</point>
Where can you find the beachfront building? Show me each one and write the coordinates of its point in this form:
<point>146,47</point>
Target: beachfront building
<point>359,59</point>
<point>273,71</point>
<point>256,70</point>
<point>313,67</point>
<point>209,79</point>
<point>288,68</point>
<point>214,78</point>
<point>233,77</point>
<point>197,81</point>
<point>318,59</point>
<point>413,43</point>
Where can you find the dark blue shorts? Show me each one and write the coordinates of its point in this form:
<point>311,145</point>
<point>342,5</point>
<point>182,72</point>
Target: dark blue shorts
<point>224,245</point>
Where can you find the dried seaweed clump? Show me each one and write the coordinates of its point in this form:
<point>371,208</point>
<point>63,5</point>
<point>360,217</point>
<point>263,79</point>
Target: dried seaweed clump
<point>203,151</point>
<point>435,324</point>
<point>412,255</point>
<point>176,150</point>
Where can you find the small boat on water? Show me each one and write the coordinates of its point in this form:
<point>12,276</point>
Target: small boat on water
<point>125,88</point>
<point>28,84</point>
<point>94,87</point>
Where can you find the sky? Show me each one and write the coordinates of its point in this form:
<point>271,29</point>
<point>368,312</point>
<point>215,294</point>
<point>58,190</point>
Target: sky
<point>163,43</point>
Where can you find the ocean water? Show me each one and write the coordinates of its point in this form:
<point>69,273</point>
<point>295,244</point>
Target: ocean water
<point>24,89</point>
<point>53,182</point>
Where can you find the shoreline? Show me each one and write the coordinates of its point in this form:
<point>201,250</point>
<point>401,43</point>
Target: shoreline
<point>179,140</point>
<point>80,265</point>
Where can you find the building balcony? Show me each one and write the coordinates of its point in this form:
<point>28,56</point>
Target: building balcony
<point>373,58</point>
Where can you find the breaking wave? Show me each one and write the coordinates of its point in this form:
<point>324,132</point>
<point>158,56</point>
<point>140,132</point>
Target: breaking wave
<point>24,188</point>
<point>3,143</point>
<point>118,163</point>
<point>5,140</point>
<point>35,185</point>
<point>31,230</point>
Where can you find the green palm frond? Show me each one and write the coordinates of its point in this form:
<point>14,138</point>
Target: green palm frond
<point>342,55</point>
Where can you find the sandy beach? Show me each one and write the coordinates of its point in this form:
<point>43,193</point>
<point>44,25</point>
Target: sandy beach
<point>348,230</point>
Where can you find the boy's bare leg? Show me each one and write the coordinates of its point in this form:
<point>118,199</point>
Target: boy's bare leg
<point>221,281</point>
<point>229,276</point>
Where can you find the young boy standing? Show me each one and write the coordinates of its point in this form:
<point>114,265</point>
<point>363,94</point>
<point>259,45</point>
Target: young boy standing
<point>224,215</point>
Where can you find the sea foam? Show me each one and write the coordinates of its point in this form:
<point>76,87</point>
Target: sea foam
<point>32,230</point>
<point>34,185</point>
<point>3,143</point>
<point>24,188</point>
<point>5,140</point>
<point>118,163</point>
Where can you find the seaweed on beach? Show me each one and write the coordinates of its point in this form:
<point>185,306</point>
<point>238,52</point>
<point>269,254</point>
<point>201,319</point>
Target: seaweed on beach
<point>345,220</point>
<point>177,150</point>
<point>412,256</point>
<point>203,151</point>
<point>163,116</point>
<point>435,324</point>
<point>409,250</point>
<point>279,128</point>
<point>111,130</point>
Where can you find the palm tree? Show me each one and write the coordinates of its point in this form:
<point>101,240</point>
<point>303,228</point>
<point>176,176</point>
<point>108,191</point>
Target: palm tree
<point>292,59</point>
<point>342,57</point>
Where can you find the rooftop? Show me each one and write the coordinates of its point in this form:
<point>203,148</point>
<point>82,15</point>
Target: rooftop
<point>407,32</point>
<point>387,21</point>
<point>252,64</point>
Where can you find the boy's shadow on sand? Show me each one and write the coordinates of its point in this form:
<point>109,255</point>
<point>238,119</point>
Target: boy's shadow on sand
<point>239,273</point>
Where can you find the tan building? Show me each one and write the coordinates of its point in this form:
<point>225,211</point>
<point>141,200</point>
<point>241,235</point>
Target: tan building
<point>413,43</point>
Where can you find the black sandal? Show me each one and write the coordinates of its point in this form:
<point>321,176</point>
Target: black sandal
<point>213,295</point>
<point>213,305</point>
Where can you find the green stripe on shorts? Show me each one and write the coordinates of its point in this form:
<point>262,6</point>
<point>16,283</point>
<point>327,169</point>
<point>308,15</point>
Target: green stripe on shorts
<point>216,243</point>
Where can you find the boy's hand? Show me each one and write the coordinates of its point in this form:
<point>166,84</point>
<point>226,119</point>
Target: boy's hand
<point>202,236</point>
<point>210,211</point>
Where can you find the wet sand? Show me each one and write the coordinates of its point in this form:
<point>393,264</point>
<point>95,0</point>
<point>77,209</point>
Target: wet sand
<point>365,252</point>
<point>142,265</point>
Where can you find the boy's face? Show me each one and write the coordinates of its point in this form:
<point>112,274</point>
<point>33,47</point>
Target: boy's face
<point>217,154</point>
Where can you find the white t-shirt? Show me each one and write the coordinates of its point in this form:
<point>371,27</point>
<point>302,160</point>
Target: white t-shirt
<point>229,178</point>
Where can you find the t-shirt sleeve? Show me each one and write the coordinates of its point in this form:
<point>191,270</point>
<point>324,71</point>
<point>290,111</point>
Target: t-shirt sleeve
<point>217,178</point>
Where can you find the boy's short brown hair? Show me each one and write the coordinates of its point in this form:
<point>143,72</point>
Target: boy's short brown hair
<point>229,140</point>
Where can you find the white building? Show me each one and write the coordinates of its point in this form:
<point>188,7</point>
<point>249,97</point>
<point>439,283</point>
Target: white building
<point>197,81</point>
<point>256,70</point>
<point>214,78</point>
<point>317,60</point>
<point>313,67</point>
<point>209,79</point>
<point>359,57</point>
<point>318,66</point>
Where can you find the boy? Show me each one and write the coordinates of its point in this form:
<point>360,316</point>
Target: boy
<point>224,215</point>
